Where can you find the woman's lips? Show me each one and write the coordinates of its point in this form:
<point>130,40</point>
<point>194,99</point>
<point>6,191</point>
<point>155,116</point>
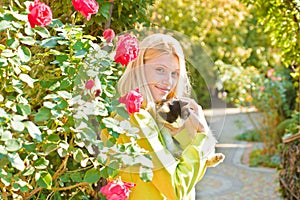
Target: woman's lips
<point>163,90</point>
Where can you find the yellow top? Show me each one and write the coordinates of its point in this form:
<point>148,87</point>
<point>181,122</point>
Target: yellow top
<point>173,178</point>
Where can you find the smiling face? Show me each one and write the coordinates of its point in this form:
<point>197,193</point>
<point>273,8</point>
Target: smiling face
<point>162,74</point>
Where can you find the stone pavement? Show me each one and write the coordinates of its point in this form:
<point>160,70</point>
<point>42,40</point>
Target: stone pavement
<point>231,179</point>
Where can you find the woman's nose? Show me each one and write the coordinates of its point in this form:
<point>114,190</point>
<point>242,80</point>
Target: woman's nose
<point>167,79</point>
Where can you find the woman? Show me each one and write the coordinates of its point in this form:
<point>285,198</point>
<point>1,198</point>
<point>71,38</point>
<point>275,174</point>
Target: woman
<point>160,74</point>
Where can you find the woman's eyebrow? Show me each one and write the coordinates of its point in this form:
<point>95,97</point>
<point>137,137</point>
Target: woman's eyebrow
<point>166,66</point>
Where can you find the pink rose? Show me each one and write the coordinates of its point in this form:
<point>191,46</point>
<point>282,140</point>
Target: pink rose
<point>133,101</point>
<point>40,14</point>
<point>127,49</point>
<point>116,190</point>
<point>86,7</point>
<point>109,35</point>
<point>89,84</point>
<point>270,73</point>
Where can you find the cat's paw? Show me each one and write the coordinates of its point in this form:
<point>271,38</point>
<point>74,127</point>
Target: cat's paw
<point>216,159</point>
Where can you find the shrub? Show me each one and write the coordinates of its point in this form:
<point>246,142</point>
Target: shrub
<point>49,120</point>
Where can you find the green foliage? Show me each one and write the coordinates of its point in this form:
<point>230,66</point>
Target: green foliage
<point>260,158</point>
<point>291,125</point>
<point>249,135</point>
<point>49,122</point>
<point>229,32</point>
<point>271,92</point>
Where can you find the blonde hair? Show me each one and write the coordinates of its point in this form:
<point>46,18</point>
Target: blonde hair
<point>134,76</point>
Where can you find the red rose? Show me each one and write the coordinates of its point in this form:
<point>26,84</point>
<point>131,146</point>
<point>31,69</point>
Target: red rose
<point>40,14</point>
<point>116,190</point>
<point>86,7</point>
<point>98,92</point>
<point>109,35</point>
<point>127,49</point>
<point>89,84</point>
<point>133,101</point>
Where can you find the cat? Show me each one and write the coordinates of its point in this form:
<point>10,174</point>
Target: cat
<point>172,113</point>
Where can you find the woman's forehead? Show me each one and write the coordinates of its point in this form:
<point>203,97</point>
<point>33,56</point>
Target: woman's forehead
<point>167,60</point>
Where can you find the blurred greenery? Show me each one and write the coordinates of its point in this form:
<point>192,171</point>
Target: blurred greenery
<point>249,136</point>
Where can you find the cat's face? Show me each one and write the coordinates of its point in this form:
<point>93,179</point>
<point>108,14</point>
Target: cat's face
<point>174,112</point>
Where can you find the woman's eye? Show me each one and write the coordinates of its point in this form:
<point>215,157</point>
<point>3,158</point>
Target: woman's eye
<point>160,69</point>
<point>175,74</point>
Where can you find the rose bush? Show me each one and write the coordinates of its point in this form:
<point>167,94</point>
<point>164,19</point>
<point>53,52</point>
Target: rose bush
<point>50,119</point>
<point>117,190</point>
<point>40,14</point>
<point>133,101</point>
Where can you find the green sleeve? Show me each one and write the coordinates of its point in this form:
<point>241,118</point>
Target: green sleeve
<point>190,168</point>
<point>183,138</point>
<point>181,174</point>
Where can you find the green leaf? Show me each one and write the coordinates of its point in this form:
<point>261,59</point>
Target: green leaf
<point>24,53</point>
<point>64,94</point>
<point>104,10</point>
<point>43,179</point>
<point>4,25</point>
<point>41,163</point>
<point>23,109</point>
<point>20,16</point>
<point>146,174</point>
<point>13,43</point>
<point>3,62</point>
<point>16,161</point>
<point>2,47</point>
<point>30,146</point>
<point>13,145</point>
<point>27,40</point>
<point>122,112</point>
<point>17,126</point>
<point>7,53</point>
<point>113,169</point>
<point>49,147</point>
<point>5,135</point>
<point>78,155</point>
<point>42,31</point>
<point>33,130</point>
<point>53,138</point>
<point>92,176</point>
<point>65,84</point>
<point>29,171</point>
<point>43,115</point>
<point>49,43</point>
<point>76,177</point>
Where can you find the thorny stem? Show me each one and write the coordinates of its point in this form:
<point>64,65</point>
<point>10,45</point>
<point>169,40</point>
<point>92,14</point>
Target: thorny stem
<point>70,187</point>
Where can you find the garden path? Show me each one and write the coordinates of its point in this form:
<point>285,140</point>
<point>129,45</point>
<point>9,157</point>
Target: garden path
<point>231,179</point>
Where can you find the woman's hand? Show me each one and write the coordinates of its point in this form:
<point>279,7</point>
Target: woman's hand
<point>196,121</point>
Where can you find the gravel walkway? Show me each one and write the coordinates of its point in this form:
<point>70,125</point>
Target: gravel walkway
<point>233,180</point>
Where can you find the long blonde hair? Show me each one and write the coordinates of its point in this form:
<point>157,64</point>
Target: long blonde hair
<point>134,76</point>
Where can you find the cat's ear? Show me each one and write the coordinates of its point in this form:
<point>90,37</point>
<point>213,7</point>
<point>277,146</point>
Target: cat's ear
<point>183,103</point>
